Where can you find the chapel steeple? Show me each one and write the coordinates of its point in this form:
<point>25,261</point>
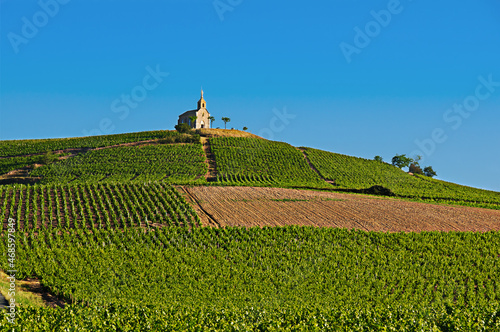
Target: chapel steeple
<point>202,103</point>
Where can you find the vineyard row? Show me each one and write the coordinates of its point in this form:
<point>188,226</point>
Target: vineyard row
<point>103,205</point>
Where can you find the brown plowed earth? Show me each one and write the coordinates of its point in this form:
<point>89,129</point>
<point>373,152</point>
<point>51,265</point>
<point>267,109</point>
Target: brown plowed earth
<point>206,218</point>
<point>258,206</point>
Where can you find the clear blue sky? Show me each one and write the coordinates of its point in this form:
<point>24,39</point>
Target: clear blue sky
<point>354,77</point>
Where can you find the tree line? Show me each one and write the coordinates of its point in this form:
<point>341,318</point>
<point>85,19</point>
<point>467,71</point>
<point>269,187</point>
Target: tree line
<point>401,160</point>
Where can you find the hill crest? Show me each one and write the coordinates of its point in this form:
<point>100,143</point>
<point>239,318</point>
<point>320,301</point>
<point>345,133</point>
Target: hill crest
<point>220,157</point>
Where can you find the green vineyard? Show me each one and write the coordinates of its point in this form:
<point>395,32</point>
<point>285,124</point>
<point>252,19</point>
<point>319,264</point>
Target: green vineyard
<point>357,173</point>
<point>37,146</point>
<point>10,164</point>
<point>172,162</point>
<point>330,278</point>
<point>112,226</point>
<point>140,318</point>
<point>253,161</point>
<point>179,159</point>
<point>94,206</point>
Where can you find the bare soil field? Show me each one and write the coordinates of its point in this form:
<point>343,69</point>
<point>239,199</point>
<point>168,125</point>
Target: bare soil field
<point>257,206</point>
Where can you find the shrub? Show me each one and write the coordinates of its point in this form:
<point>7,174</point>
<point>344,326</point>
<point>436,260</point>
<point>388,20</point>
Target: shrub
<point>183,128</point>
<point>48,158</point>
<point>415,169</point>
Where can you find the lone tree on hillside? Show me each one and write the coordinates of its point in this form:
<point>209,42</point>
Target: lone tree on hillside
<point>429,171</point>
<point>193,118</point>
<point>245,128</point>
<point>378,158</point>
<point>402,161</point>
<point>226,120</point>
<point>212,119</point>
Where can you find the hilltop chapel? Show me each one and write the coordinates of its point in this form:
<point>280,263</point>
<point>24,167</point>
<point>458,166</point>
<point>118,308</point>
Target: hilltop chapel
<point>201,113</point>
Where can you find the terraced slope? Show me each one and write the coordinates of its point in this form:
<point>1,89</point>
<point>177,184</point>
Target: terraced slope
<point>358,173</point>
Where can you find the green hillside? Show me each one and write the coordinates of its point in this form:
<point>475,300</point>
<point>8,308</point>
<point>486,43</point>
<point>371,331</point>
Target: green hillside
<point>171,162</point>
<point>13,163</point>
<point>357,173</point>
<point>253,161</point>
<point>34,146</point>
<point>168,156</point>
<point>105,229</point>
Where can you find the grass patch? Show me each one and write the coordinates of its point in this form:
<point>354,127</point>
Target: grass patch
<point>23,296</point>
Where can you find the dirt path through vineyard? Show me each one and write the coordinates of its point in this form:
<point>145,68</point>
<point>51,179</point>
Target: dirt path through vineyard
<point>254,206</point>
<point>210,160</point>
